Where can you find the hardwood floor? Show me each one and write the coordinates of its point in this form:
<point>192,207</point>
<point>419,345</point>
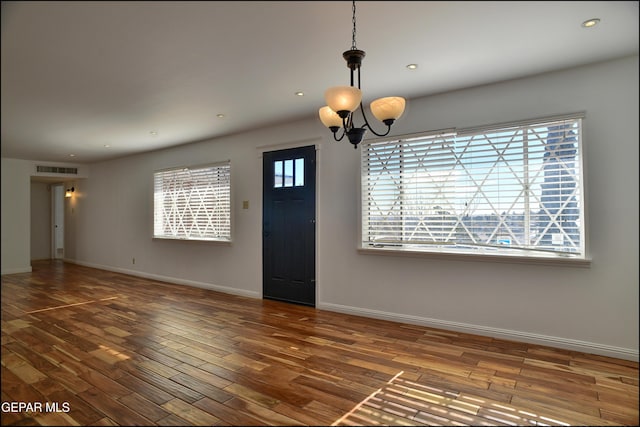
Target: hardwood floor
<point>112,349</point>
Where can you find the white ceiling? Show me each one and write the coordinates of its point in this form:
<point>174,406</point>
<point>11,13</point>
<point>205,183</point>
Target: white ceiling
<point>77,76</point>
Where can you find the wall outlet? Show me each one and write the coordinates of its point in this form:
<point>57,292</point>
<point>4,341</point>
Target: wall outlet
<point>245,204</point>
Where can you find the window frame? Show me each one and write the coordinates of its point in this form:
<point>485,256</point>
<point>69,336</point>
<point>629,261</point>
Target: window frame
<point>518,256</point>
<point>223,167</point>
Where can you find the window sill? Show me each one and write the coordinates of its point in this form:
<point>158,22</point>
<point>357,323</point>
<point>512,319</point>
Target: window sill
<point>517,259</point>
<point>174,239</point>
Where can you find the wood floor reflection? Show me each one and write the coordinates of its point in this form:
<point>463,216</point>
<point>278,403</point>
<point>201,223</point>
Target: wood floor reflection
<point>100,348</point>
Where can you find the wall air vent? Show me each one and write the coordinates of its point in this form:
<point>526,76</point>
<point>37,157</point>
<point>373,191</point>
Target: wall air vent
<point>57,169</point>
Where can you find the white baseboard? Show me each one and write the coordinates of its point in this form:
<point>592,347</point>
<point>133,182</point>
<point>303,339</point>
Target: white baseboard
<point>546,340</point>
<point>174,280</point>
<point>563,343</point>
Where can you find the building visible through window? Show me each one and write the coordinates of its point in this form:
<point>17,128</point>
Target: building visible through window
<point>508,190</point>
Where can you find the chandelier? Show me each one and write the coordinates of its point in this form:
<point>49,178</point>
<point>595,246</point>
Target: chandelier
<point>343,101</point>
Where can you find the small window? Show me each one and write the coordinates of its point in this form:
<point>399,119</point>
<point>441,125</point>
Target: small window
<point>299,175</point>
<point>288,173</point>
<point>193,203</point>
<point>278,175</point>
<point>513,189</point>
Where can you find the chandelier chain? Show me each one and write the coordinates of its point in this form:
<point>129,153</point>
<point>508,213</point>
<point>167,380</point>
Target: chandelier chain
<point>353,37</point>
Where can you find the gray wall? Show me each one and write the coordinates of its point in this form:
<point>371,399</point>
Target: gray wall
<point>16,216</point>
<point>593,309</point>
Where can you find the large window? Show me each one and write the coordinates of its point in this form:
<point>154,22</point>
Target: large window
<point>502,190</point>
<point>193,203</point>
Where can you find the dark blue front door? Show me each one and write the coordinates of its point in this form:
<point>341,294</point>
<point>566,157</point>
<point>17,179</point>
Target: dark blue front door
<point>288,225</point>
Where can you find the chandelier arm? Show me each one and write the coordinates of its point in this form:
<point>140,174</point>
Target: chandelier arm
<point>368,126</point>
<point>351,74</point>
<point>347,123</point>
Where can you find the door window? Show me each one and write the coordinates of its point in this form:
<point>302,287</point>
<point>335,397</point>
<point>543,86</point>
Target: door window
<point>288,173</point>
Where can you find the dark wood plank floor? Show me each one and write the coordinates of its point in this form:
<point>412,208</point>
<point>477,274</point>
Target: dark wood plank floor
<point>112,349</point>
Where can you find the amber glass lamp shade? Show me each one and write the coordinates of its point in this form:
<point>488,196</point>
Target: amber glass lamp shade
<point>329,117</point>
<point>343,99</point>
<point>390,108</point>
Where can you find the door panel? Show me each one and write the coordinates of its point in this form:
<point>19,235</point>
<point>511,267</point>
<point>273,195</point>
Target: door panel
<point>58,221</point>
<point>289,225</point>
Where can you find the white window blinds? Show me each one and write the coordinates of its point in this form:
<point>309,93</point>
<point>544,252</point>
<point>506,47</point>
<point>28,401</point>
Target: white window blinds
<point>506,190</point>
<point>193,203</point>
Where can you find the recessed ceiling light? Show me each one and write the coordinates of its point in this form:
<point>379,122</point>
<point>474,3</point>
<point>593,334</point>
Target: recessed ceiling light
<point>72,155</point>
<point>299,93</point>
<point>590,23</point>
<point>412,66</point>
<point>106,146</point>
<point>153,132</point>
<point>220,116</point>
